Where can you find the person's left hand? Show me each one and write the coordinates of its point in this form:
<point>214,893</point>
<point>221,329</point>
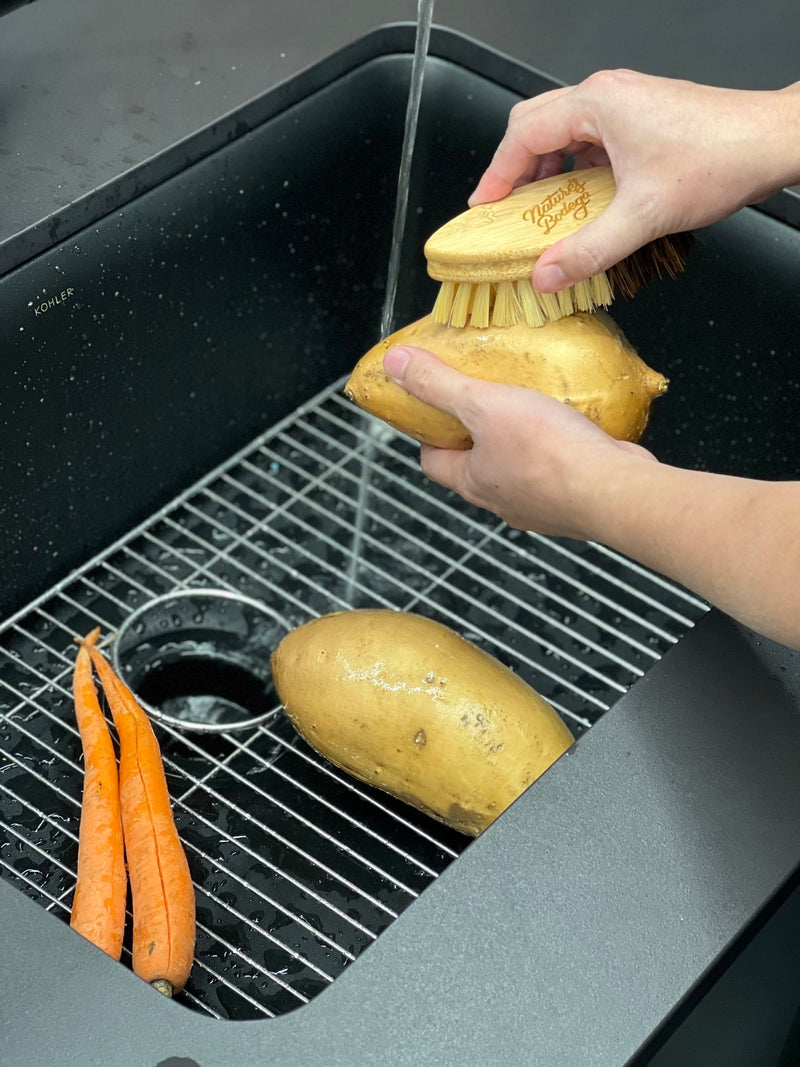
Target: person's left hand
<point>535,462</point>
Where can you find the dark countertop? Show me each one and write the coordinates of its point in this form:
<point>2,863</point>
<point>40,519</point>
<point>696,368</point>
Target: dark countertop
<point>89,90</point>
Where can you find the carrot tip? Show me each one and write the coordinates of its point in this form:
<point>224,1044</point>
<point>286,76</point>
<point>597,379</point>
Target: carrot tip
<point>89,639</point>
<point>163,986</point>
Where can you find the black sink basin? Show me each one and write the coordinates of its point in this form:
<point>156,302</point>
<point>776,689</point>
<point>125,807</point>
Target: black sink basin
<point>172,416</point>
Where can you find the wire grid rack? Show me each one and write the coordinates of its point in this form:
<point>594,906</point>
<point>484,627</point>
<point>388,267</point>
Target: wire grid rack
<point>298,868</point>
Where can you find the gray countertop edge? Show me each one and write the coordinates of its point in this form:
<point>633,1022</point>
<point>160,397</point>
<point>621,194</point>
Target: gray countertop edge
<point>394,37</point>
<point>566,934</point>
<point>17,247</point>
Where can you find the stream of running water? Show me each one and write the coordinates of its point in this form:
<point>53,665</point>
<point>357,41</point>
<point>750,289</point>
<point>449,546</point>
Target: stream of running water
<point>424,20</point>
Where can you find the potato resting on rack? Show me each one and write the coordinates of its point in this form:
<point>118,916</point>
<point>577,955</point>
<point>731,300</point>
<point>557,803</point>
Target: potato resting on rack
<point>406,704</point>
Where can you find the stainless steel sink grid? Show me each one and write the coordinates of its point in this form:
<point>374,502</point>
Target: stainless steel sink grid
<point>298,868</point>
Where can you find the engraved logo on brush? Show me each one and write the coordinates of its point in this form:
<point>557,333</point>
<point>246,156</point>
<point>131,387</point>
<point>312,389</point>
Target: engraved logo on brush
<point>571,199</point>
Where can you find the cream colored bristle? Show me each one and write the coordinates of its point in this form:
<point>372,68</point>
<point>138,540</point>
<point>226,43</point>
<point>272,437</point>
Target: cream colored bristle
<point>506,309</point>
<point>509,303</point>
<point>550,305</point>
<point>582,294</point>
<point>565,301</point>
<point>601,290</point>
<point>481,301</point>
<point>444,303</point>
<point>461,305</point>
<point>529,305</point>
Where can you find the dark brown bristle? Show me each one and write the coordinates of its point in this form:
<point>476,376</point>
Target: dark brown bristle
<point>666,255</point>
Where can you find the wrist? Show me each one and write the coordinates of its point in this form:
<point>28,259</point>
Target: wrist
<point>779,133</point>
<point>604,488</point>
<point>791,100</point>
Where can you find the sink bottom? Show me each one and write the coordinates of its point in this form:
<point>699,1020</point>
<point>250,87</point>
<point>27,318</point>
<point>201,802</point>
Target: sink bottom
<point>298,868</point>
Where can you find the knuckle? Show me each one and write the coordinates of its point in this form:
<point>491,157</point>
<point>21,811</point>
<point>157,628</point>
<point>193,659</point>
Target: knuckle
<point>587,259</point>
<point>648,207</point>
<point>610,81</point>
<point>518,112</point>
<point>477,410</point>
<point>472,407</point>
<point>424,378</point>
<point>519,117</point>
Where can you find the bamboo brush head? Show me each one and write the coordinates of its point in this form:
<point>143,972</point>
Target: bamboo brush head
<point>484,257</point>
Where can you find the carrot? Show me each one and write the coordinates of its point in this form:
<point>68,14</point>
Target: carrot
<point>161,885</point>
<point>98,909</point>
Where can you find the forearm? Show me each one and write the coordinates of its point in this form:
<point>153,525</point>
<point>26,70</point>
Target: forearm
<point>734,541</point>
<point>541,465</point>
<point>778,149</point>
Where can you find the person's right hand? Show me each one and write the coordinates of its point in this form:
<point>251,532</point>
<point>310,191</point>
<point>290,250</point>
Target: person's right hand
<point>683,155</point>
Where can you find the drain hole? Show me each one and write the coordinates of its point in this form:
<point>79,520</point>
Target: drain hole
<point>203,690</point>
<point>199,659</point>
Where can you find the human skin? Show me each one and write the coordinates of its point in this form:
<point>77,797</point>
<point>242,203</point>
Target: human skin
<point>683,155</point>
<point>542,466</point>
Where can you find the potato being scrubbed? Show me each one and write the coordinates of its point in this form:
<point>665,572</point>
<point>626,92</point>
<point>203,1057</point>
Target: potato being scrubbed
<point>408,705</point>
<point>583,360</point>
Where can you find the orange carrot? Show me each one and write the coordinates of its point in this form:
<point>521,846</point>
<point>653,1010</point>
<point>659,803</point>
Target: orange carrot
<point>98,909</point>
<point>161,885</point>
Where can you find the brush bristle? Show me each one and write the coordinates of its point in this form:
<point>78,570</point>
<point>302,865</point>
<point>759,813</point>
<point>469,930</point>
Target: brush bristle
<point>509,303</point>
<point>507,309</point>
<point>531,309</point>
<point>583,296</point>
<point>481,305</point>
<point>668,255</point>
<point>444,302</point>
<point>459,315</point>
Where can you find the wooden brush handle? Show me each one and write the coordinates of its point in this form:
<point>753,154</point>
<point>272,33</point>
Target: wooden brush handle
<point>501,241</point>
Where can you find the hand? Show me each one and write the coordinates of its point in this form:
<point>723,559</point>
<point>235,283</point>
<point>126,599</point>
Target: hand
<point>541,465</point>
<point>534,460</point>
<point>683,156</point>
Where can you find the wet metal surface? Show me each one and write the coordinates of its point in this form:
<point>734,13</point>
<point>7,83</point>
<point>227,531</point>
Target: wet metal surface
<point>297,868</point>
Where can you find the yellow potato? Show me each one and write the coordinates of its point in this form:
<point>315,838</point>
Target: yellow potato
<point>583,360</point>
<point>408,705</point>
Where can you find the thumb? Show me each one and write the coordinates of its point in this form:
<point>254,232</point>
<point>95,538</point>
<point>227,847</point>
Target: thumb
<point>426,377</point>
<point>619,231</point>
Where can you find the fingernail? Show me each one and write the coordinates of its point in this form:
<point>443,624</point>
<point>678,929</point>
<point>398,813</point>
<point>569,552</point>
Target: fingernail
<point>395,362</point>
<point>550,278</point>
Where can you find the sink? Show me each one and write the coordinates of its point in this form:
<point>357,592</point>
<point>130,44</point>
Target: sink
<point>173,417</point>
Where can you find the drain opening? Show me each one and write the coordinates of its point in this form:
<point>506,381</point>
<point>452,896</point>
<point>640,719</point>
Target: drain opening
<point>203,690</point>
<point>199,659</point>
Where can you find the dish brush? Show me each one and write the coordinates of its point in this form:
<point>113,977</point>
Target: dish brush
<point>484,257</point>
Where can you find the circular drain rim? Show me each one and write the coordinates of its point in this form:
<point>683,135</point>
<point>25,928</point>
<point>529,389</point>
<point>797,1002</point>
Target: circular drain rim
<point>188,724</point>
